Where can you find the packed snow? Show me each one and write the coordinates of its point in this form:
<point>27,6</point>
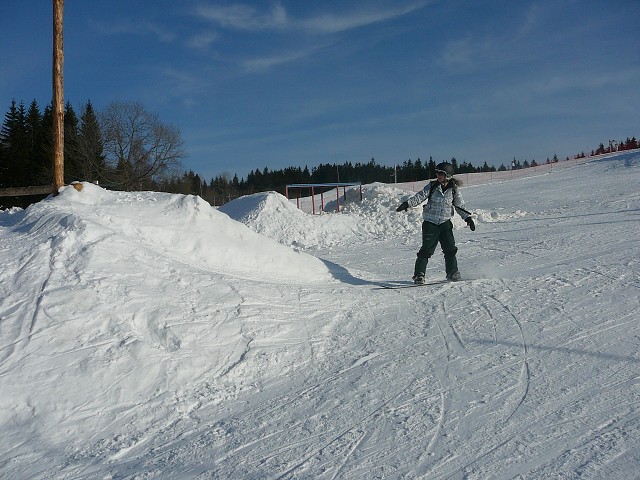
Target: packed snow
<point>149,335</point>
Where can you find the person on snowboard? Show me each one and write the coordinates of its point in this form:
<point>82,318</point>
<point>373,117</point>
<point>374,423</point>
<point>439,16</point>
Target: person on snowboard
<point>442,196</point>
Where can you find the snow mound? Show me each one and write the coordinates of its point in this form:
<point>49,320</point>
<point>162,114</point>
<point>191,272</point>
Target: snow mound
<point>377,215</point>
<point>373,217</point>
<point>256,207</point>
<point>183,228</point>
<point>272,215</point>
<point>490,216</point>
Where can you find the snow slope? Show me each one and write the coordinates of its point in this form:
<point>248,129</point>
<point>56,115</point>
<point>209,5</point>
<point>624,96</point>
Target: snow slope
<point>146,335</point>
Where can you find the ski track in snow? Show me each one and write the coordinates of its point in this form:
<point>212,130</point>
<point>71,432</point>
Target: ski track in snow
<point>123,358</point>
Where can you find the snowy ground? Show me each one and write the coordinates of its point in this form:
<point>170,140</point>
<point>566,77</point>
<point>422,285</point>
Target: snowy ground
<point>146,335</point>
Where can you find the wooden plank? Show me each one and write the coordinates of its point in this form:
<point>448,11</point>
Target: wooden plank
<point>22,191</point>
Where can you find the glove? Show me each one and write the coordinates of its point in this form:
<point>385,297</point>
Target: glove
<point>403,206</point>
<point>472,225</point>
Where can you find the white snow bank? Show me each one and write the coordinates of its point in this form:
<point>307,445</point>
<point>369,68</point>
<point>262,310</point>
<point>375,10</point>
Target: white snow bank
<point>373,217</point>
<point>111,300</point>
<point>183,228</point>
<point>272,215</point>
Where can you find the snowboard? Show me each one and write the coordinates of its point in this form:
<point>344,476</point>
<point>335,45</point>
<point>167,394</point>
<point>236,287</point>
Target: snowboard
<point>395,286</point>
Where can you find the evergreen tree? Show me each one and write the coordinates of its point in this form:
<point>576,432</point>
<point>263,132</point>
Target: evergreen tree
<point>630,143</point>
<point>73,168</point>
<point>432,168</point>
<point>15,145</point>
<point>35,138</point>
<point>3,167</point>
<point>44,170</point>
<point>7,168</point>
<point>91,146</point>
<point>9,125</point>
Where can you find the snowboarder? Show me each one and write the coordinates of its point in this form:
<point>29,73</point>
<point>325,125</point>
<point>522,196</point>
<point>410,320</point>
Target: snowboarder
<point>442,196</point>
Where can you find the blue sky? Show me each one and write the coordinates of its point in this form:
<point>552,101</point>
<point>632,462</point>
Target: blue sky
<point>273,84</point>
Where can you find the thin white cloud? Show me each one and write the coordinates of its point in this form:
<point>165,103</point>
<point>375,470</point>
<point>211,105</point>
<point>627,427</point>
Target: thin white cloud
<point>179,85</point>
<point>335,23</point>
<point>244,17</point>
<point>465,53</point>
<point>605,80</point>
<point>247,18</point>
<point>265,63</point>
<point>530,22</point>
<point>180,79</point>
<point>202,40</point>
<point>474,51</point>
<point>128,27</point>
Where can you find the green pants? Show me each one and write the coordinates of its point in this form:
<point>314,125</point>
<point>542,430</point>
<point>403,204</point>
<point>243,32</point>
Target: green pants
<point>431,235</point>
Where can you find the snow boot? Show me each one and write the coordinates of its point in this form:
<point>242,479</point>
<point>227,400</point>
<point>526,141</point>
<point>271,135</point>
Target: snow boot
<point>454,277</point>
<point>418,279</point>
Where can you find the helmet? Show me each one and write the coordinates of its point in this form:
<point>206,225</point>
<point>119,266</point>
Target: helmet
<point>445,167</point>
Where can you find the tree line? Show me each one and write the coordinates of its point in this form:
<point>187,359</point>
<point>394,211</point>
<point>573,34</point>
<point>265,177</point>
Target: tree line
<point>223,187</point>
<point>125,147</point>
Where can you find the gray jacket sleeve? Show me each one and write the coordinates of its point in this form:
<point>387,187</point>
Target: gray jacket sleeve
<point>420,197</point>
<point>458,204</point>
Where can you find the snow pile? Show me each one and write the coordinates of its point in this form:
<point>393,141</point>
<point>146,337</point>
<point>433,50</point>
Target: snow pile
<point>110,301</point>
<point>183,228</point>
<point>272,215</point>
<point>373,218</point>
<point>497,216</point>
<point>377,216</point>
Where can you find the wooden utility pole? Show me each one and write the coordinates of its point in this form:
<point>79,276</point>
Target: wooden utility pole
<point>58,97</point>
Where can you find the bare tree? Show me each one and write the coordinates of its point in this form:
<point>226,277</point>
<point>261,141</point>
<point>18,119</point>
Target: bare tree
<point>138,146</point>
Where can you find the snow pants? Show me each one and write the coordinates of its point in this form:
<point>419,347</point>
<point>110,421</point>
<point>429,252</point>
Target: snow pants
<point>431,235</point>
